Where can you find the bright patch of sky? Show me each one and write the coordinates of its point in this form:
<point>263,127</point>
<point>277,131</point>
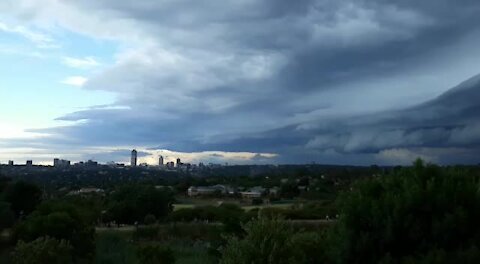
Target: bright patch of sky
<point>42,73</point>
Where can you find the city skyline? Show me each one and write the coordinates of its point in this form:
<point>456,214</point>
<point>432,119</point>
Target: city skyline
<point>149,157</point>
<point>256,82</point>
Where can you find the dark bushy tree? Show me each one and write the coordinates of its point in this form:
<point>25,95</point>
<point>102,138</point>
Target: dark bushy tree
<point>60,220</point>
<point>155,254</point>
<point>150,219</point>
<point>113,248</point>
<point>23,197</point>
<point>423,214</point>
<point>42,250</point>
<point>7,217</point>
<point>266,241</point>
<point>130,204</point>
<point>289,190</point>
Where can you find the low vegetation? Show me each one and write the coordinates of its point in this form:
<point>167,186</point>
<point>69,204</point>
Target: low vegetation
<point>418,214</point>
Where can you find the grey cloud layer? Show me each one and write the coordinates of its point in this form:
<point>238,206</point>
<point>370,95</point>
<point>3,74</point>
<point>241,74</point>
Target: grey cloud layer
<point>305,79</point>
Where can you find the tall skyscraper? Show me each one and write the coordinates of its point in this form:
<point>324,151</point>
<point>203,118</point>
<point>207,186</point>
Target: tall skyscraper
<point>179,162</point>
<point>160,161</point>
<point>133,158</point>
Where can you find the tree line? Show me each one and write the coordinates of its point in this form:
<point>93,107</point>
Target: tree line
<point>419,214</point>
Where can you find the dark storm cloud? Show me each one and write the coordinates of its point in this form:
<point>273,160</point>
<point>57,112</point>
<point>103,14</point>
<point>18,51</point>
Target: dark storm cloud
<point>298,78</point>
<point>451,120</point>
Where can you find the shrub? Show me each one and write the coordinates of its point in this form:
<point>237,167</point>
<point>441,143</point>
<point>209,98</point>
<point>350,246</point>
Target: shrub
<point>7,216</point>
<point>60,220</point>
<point>155,254</point>
<point>421,212</point>
<point>257,201</point>
<point>150,219</point>
<point>111,247</point>
<point>266,241</point>
<point>146,232</point>
<point>42,250</point>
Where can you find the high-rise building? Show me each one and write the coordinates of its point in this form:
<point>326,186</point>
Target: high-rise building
<point>10,163</point>
<point>29,163</point>
<point>179,162</point>
<point>133,158</point>
<point>160,161</point>
<point>60,163</point>
<point>170,165</point>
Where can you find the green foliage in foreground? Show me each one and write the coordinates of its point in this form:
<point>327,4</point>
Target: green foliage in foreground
<point>155,254</point>
<point>113,248</point>
<point>42,250</point>
<point>60,220</point>
<point>7,217</point>
<point>132,203</point>
<point>423,214</point>
<point>23,197</point>
<point>272,240</point>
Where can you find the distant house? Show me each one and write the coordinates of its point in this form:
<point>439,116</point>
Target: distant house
<point>274,191</point>
<point>207,190</point>
<point>251,194</point>
<point>303,188</point>
<point>86,191</point>
<point>254,192</point>
<point>163,187</point>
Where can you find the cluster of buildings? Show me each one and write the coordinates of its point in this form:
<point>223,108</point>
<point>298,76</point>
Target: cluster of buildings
<point>246,193</point>
<point>28,163</point>
<point>161,163</point>
<point>62,163</point>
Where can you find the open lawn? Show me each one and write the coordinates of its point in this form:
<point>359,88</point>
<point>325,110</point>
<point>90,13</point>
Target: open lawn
<point>245,207</point>
<point>193,202</point>
<point>188,242</point>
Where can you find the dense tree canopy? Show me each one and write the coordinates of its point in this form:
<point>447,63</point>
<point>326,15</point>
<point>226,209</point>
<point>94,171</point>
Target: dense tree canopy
<point>132,203</point>
<point>272,241</point>
<point>266,241</point>
<point>41,251</point>
<point>155,254</point>
<point>60,220</point>
<point>414,214</point>
<point>6,215</point>
<point>23,197</point>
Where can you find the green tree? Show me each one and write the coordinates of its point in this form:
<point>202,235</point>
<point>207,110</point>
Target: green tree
<point>23,197</point>
<point>422,212</point>
<point>289,190</point>
<point>309,247</point>
<point>60,220</point>
<point>130,204</point>
<point>267,241</point>
<point>42,250</point>
<point>4,182</point>
<point>150,219</point>
<point>7,217</point>
<point>155,254</point>
<point>113,248</point>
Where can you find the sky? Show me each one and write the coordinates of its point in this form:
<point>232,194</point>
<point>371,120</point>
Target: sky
<point>356,82</point>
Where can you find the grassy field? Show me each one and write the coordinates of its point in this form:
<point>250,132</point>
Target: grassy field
<point>192,202</point>
<point>245,207</point>
<point>185,240</point>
